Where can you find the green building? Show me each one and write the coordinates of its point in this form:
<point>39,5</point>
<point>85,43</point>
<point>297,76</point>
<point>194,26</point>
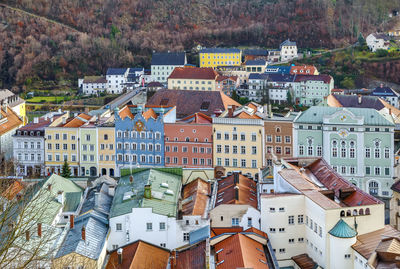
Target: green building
<point>356,142</point>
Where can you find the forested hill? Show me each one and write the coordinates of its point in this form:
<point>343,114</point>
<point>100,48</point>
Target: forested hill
<point>125,32</point>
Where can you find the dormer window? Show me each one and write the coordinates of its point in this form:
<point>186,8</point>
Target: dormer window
<point>31,133</point>
<point>25,133</point>
<point>19,132</point>
<point>38,133</point>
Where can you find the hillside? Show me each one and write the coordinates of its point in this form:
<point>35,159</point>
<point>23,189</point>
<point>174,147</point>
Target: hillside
<point>64,39</point>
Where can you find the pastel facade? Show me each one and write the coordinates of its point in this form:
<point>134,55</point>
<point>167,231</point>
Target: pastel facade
<point>238,144</point>
<point>88,153</point>
<point>139,135</point>
<point>314,211</point>
<point>16,103</point>
<point>356,142</point>
<point>9,123</point>
<point>193,78</point>
<point>92,85</point>
<point>288,50</point>
<point>214,57</point>
<point>106,149</point>
<point>312,89</point>
<point>162,65</point>
<point>188,142</point>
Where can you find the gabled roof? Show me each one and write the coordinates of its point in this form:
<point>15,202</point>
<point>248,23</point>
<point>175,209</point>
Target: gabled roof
<point>168,58</point>
<point>342,230</point>
<point>193,73</point>
<point>237,189</point>
<point>381,36</point>
<point>384,92</point>
<point>94,79</point>
<point>77,121</point>
<point>366,244</point>
<point>220,50</point>
<point>139,254</point>
<point>336,100</point>
<point>303,69</point>
<point>189,102</point>
<point>256,52</point>
<point>325,78</point>
<point>150,113</point>
<point>12,120</point>
<point>256,62</point>
<point>196,118</point>
<point>304,261</point>
<point>287,42</point>
<point>222,78</point>
<point>396,186</point>
<point>195,197</point>
<point>193,257</point>
<point>116,71</point>
<point>13,189</point>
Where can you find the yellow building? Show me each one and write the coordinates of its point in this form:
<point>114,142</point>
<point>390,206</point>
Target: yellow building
<point>62,143</point>
<point>214,57</point>
<point>74,260</point>
<point>15,102</point>
<point>238,142</point>
<point>106,150</point>
<point>193,78</point>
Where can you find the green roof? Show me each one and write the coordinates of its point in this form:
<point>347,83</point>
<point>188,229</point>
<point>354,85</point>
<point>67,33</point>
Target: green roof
<point>72,200</point>
<point>315,114</point>
<point>163,201</point>
<point>342,230</point>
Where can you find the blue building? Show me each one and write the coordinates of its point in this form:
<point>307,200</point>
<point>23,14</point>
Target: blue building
<point>139,135</point>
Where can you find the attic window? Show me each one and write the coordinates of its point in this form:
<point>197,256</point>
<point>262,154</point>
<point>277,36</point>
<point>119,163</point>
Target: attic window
<point>204,106</point>
<point>164,101</point>
<point>164,185</point>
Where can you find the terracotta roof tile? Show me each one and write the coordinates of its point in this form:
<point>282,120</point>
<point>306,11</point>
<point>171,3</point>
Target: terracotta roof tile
<point>302,69</point>
<point>240,251</point>
<point>244,188</point>
<point>138,255</point>
<point>244,115</point>
<point>125,112</point>
<point>396,186</point>
<point>195,197</point>
<point>218,230</point>
<point>304,261</point>
<point>12,191</point>
<point>193,73</point>
<point>193,257</point>
<point>222,78</point>
<point>77,121</point>
<point>366,244</point>
<point>149,114</point>
<point>197,118</point>
<point>13,121</point>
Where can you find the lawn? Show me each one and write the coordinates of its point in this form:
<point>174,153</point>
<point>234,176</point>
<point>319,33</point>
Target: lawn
<point>45,99</point>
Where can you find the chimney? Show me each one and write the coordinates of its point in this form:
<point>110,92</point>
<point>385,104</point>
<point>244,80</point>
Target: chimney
<point>49,187</point>
<point>236,178</point>
<point>71,221</point>
<point>217,112</point>
<point>96,199</point>
<point>236,192</point>
<point>76,114</point>
<point>269,111</point>
<point>147,191</point>
<point>131,179</point>
<point>390,111</point>
<point>173,259</point>
<point>64,120</point>
<point>59,110</point>
<point>35,120</point>
<point>119,252</point>
<point>381,85</point>
<point>111,190</point>
<point>39,229</point>
<point>230,111</point>
<point>60,197</point>
<point>359,98</point>
<point>27,237</point>
<point>83,231</point>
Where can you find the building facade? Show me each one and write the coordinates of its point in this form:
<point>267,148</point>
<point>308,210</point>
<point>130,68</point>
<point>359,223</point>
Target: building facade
<point>162,65</point>
<point>116,79</point>
<point>377,41</point>
<point>92,85</point>
<point>387,94</point>
<point>356,142</point>
<point>288,50</point>
<point>9,123</point>
<point>106,148</point>
<point>88,153</point>
<point>214,57</point>
<point>188,142</point>
<point>311,89</point>
<point>193,78</point>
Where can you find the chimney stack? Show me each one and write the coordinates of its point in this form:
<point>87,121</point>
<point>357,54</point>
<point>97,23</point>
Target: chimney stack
<point>49,187</point>
<point>39,229</point>
<point>111,190</point>
<point>83,231</point>
<point>236,178</point>
<point>236,192</point>
<point>35,120</point>
<point>27,237</point>
<point>96,199</point>
<point>131,179</point>
<point>359,98</point>
<point>119,252</point>
<point>71,221</point>
<point>147,191</point>
<point>64,120</point>
<point>230,111</point>
<point>390,111</point>
<point>173,259</point>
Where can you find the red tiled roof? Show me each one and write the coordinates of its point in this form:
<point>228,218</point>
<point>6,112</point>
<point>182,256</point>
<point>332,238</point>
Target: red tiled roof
<point>333,181</point>
<point>193,257</point>
<point>193,73</point>
<point>222,78</point>
<point>195,197</point>
<point>197,118</point>
<point>218,230</point>
<point>396,186</point>
<point>296,70</point>
<point>240,251</point>
<point>139,255</point>
<point>78,121</point>
<point>12,191</point>
<point>246,188</point>
<point>324,78</point>
<point>149,114</point>
<point>304,261</point>
<point>125,112</point>
<point>13,121</point>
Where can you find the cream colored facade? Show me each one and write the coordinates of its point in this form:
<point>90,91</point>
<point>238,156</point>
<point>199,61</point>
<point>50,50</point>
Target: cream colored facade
<point>74,260</point>
<point>106,150</point>
<point>238,144</point>
<point>395,210</point>
<point>61,143</point>
<point>192,84</point>
<point>222,215</point>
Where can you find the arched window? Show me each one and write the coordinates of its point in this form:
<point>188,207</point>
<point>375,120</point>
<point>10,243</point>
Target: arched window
<point>342,213</point>
<point>361,212</point>
<point>373,187</point>
<point>355,212</point>
<point>278,130</point>
<point>367,211</point>
<point>348,213</point>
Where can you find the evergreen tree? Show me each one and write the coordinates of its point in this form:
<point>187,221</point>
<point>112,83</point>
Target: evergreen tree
<point>235,96</point>
<point>66,170</point>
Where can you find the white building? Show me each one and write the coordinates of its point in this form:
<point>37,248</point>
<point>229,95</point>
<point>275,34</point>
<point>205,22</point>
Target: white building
<point>288,50</point>
<point>316,214</point>
<point>377,41</point>
<point>92,85</point>
<point>162,64</point>
<point>235,203</point>
<point>116,79</point>
<point>387,94</point>
<point>145,207</point>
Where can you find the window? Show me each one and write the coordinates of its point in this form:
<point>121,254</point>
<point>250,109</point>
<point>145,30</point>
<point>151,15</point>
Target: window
<point>243,149</point>
<point>377,171</point>
<point>367,170</point>
<point>253,163</point>
<point>226,162</point>
<point>282,250</point>
<point>387,171</point>
<point>272,230</point>
<point>234,137</point>
<point>118,227</point>
<point>319,151</point>
<point>347,256</point>
<point>334,152</point>
<point>387,153</point>
<point>300,219</point>
<point>352,170</point>
<point>287,150</point>
<point>367,153</point>
<point>65,147</point>
<point>226,148</point>
<point>226,136</point>
<point>281,230</point>
<point>272,209</point>
<point>253,150</point>
<point>320,231</point>
<point>149,226</point>
<point>87,137</point>
<point>310,150</point>
<point>291,220</point>
<point>162,226</point>
<point>278,139</point>
<point>249,222</point>
<point>234,149</point>
<point>343,169</point>
<point>287,139</point>
<point>219,148</point>
<point>218,136</point>
<point>352,153</point>
<point>234,162</point>
<point>291,241</point>
<point>243,162</point>
<point>235,221</point>
<point>253,137</point>
<point>242,136</point>
<point>301,150</point>
<point>185,236</point>
<point>269,138</point>
<point>343,152</point>
<point>377,153</point>
<point>300,240</point>
<point>373,188</point>
<point>281,209</point>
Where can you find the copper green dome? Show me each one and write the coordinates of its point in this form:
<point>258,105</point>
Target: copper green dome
<point>342,230</point>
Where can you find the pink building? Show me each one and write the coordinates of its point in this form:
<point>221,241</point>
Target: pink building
<point>188,142</point>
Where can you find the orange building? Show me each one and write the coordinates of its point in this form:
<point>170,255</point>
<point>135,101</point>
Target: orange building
<point>188,142</point>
